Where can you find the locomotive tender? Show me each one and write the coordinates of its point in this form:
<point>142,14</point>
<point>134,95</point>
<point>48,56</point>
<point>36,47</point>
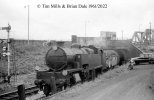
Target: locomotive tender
<point>69,65</point>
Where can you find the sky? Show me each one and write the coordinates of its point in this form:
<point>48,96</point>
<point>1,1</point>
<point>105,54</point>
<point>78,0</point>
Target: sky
<point>60,23</point>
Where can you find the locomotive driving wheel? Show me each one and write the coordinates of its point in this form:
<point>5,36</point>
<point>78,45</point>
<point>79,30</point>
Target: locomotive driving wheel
<point>86,75</point>
<point>46,89</point>
<point>72,80</point>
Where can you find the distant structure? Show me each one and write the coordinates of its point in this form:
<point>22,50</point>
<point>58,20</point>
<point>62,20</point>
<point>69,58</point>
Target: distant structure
<point>103,38</point>
<point>146,37</point>
<point>82,40</point>
<point>74,39</point>
<point>108,35</point>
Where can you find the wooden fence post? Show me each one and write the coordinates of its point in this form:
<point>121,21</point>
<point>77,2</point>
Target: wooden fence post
<point>21,92</point>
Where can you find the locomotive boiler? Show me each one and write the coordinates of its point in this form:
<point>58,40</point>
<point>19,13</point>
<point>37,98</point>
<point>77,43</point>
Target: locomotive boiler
<point>64,58</point>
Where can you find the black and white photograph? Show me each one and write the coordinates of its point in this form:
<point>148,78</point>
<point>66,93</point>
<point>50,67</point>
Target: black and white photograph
<point>76,50</point>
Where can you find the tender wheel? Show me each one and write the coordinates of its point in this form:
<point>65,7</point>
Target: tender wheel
<point>46,89</point>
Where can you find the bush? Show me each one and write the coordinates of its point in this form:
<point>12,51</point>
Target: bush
<point>26,57</point>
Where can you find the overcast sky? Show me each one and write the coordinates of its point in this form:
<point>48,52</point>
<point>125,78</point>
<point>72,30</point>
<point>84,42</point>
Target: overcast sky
<point>61,23</point>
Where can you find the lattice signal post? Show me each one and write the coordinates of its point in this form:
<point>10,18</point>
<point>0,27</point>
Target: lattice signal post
<point>8,47</point>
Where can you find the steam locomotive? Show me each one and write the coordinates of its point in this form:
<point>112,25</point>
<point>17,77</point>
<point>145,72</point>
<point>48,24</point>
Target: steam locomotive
<point>67,66</point>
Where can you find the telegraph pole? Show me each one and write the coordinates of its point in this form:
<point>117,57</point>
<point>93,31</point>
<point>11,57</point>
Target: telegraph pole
<point>8,44</point>
<point>28,24</point>
<point>139,26</point>
<point>28,21</point>
<point>85,32</point>
<point>122,34</point>
<point>150,32</point>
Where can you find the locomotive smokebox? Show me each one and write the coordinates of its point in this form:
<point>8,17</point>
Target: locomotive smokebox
<point>61,58</point>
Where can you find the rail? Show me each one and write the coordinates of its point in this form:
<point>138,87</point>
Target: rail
<point>14,95</point>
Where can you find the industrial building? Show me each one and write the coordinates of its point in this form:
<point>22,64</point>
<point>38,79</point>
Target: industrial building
<point>104,35</point>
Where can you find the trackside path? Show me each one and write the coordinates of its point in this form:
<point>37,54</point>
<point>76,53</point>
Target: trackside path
<point>130,85</point>
<point>132,88</point>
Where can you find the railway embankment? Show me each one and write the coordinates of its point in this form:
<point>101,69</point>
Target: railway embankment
<point>26,58</point>
<point>117,84</point>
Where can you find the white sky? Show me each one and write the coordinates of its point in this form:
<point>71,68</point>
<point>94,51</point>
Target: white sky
<point>61,23</point>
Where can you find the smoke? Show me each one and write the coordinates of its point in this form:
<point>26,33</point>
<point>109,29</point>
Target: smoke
<point>98,42</point>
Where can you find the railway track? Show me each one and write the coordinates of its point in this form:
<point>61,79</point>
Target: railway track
<point>14,95</point>
<point>57,92</point>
